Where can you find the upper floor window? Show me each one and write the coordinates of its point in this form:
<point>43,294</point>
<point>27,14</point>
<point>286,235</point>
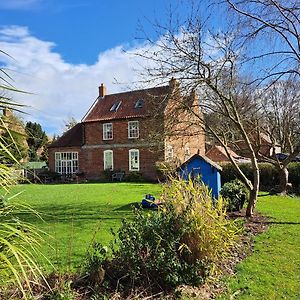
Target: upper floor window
<point>107,131</point>
<point>108,160</point>
<point>66,162</point>
<point>133,129</point>
<point>169,153</point>
<point>134,160</point>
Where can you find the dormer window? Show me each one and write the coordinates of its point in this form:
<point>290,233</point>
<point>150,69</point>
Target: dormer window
<point>139,103</point>
<point>115,106</point>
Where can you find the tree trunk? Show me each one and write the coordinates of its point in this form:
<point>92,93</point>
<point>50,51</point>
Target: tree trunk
<point>283,180</point>
<point>253,193</point>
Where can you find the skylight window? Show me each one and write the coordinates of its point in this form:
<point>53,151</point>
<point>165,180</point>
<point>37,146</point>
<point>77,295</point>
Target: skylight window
<point>115,106</point>
<point>139,103</point>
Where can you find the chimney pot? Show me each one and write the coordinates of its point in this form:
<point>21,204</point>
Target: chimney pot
<point>7,112</point>
<point>173,83</point>
<point>102,90</point>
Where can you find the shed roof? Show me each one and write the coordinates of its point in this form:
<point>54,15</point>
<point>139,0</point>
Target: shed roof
<point>203,157</point>
<point>101,109</point>
<point>73,137</point>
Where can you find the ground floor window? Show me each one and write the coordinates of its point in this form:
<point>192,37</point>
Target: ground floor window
<point>108,160</point>
<point>169,153</point>
<point>66,162</point>
<point>134,160</point>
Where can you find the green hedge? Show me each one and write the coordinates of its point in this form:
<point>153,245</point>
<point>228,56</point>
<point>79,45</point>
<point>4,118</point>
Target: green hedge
<point>268,175</point>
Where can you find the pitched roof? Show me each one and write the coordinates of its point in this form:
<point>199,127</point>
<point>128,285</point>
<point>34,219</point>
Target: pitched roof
<point>203,157</point>
<point>73,137</point>
<point>101,110</point>
<point>222,150</point>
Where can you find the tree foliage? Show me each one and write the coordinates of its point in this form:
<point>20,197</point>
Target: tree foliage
<point>36,139</point>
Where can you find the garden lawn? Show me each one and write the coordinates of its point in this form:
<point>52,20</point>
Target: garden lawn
<point>273,270</point>
<point>76,214</point>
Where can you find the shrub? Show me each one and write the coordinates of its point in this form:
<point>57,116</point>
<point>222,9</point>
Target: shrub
<point>235,192</point>
<point>294,176</point>
<point>182,242</point>
<point>165,169</point>
<point>134,177</point>
<point>47,175</point>
<point>107,175</point>
<point>268,175</point>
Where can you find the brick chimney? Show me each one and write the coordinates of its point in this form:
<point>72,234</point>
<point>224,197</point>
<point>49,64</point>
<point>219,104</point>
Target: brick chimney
<point>173,83</point>
<point>102,90</point>
<point>7,112</point>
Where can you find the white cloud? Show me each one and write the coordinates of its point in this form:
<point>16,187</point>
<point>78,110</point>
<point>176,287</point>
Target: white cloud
<point>60,89</point>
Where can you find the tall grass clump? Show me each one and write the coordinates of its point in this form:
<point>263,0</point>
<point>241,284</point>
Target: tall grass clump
<point>183,242</point>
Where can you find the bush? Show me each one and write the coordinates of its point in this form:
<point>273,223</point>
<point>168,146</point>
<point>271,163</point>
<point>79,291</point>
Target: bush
<point>294,177</point>
<point>182,242</point>
<point>268,175</point>
<point>47,175</point>
<point>134,177</point>
<point>165,169</point>
<point>107,175</point>
<point>236,193</point>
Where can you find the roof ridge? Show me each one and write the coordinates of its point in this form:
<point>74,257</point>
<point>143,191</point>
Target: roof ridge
<point>136,91</point>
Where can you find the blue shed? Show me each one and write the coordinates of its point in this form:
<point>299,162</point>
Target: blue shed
<point>208,171</point>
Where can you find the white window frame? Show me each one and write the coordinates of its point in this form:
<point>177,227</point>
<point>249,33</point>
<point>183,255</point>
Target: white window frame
<point>104,160</point>
<point>169,153</point>
<point>66,162</point>
<point>131,151</point>
<point>105,131</point>
<point>132,130</point>
<point>187,153</point>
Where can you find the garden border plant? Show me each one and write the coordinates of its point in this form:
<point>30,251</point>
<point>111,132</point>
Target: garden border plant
<point>183,242</point>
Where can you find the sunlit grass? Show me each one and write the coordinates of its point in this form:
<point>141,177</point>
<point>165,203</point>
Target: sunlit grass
<point>75,214</point>
<point>273,270</point>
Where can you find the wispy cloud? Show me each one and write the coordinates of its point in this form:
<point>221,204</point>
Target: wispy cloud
<point>19,4</point>
<point>61,89</point>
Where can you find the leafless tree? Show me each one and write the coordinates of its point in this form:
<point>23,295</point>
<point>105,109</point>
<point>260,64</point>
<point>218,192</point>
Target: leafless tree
<point>207,64</point>
<point>281,119</point>
<point>270,29</point>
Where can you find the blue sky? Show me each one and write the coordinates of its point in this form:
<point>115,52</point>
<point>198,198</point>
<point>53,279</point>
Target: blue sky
<point>64,49</point>
<point>81,29</point>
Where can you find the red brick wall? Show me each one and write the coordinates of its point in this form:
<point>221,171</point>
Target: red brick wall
<point>92,163</point>
<point>91,154</point>
<point>94,132</point>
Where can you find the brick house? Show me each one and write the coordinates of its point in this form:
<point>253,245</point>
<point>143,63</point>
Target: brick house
<point>127,132</point>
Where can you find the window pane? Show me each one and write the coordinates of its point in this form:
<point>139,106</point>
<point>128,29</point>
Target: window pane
<point>134,164</point>
<point>133,129</point>
<point>66,162</point>
<point>108,160</point>
<point>107,131</point>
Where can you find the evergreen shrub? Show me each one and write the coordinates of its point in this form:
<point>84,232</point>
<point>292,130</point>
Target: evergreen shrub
<point>236,193</point>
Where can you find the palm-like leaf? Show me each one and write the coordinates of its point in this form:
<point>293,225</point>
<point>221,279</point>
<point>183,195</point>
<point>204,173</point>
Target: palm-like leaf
<point>19,240</point>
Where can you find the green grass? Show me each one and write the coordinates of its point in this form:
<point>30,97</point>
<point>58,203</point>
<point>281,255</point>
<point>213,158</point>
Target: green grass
<point>73,215</point>
<point>273,270</point>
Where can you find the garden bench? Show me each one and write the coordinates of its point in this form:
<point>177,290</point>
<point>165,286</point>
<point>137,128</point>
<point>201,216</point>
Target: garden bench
<point>118,176</point>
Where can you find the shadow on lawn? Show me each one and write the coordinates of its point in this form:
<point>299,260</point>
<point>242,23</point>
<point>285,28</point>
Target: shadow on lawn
<point>128,207</point>
<point>79,213</point>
